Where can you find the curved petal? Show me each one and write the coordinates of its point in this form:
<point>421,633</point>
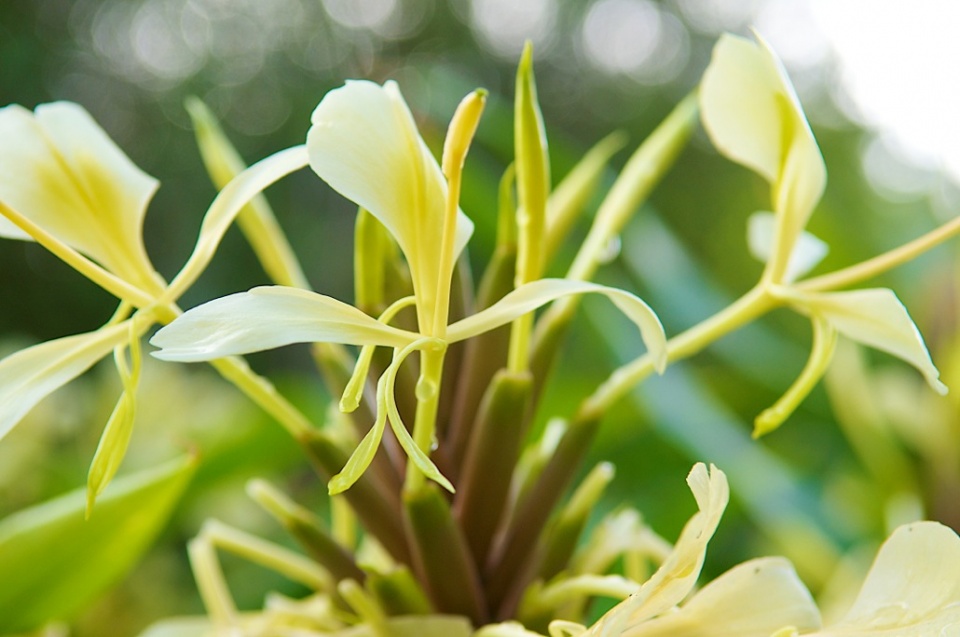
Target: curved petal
<point>873,317</point>
<point>535,294</point>
<point>364,143</point>
<point>753,599</point>
<point>61,170</point>
<point>30,375</point>
<point>677,575</point>
<point>269,317</point>
<point>912,589</point>
<point>229,203</point>
<point>753,116</point>
<point>806,254</point>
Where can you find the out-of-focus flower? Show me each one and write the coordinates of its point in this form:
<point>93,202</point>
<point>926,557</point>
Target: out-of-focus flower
<point>753,116</point>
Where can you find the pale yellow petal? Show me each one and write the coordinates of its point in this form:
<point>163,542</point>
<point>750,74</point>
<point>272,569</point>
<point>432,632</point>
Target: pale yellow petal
<point>806,254</point>
<point>676,577</point>
<point>753,599</point>
<point>364,143</point>
<point>873,317</point>
<point>531,296</point>
<point>753,116</point>
<point>912,589</point>
<point>740,106</point>
<point>28,376</point>
<point>269,317</point>
<point>61,170</point>
<point>229,202</point>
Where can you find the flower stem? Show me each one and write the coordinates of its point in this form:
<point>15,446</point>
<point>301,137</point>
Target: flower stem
<point>880,264</point>
<point>428,401</point>
<point>751,305</point>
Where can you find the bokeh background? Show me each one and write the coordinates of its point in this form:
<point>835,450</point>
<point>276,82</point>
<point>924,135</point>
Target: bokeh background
<point>873,77</point>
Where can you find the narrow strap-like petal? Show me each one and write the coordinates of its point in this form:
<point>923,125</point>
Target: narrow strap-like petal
<point>531,296</point>
<point>266,318</point>
<point>30,375</point>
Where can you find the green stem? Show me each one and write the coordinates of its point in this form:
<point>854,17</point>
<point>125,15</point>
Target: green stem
<point>428,400</point>
<point>880,264</point>
<point>442,555</point>
<point>491,460</point>
<point>751,305</point>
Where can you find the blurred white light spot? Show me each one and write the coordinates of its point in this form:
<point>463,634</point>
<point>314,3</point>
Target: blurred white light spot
<point>792,30</point>
<point>620,35</point>
<point>363,14</point>
<point>890,170</point>
<point>897,60</point>
<point>633,37</point>
<point>504,25</point>
<point>158,45</point>
<point>713,17</point>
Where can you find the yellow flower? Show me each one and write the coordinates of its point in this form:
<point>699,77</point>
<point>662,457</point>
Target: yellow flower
<point>65,184</point>
<point>364,143</point>
<point>753,117</point>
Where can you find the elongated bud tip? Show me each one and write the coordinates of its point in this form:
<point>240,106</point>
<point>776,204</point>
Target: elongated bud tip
<point>462,128</point>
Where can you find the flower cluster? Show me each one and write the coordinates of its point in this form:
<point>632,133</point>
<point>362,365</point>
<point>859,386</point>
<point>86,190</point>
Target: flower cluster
<point>497,552</point>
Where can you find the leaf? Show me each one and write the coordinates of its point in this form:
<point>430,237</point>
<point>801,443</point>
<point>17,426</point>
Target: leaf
<point>54,563</point>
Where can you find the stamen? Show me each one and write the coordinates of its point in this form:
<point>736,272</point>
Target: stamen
<point>352,393</point>
<point>416,454</point>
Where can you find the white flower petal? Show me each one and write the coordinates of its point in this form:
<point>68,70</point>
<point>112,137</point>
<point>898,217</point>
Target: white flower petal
<point>269,317</point>
<point>232,199</point>
<point>753,599</point>
<point>30,375</point>
<point>59,169</point>
<point>807,252</point>
<point>752,114</point>
<point>677,575</point>
<point>912,589</point>
<point>530,296</point>
<point>364,143</point>
<point>873,317</point>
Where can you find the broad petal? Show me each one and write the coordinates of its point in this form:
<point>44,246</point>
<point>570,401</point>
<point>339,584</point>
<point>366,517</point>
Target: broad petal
<point>677,575</point>
<point>752,114</point>
<point>807,252</point>
<point>873,317</point>
<point>30,375</point>
<point>535,294</point>
<point>753,599</point>
<point>364,143</point>
<point>912,589</point>
<point>59,169</point>
<point>269,317</point>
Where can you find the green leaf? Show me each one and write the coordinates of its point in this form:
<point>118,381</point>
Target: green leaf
<point>54,563</point>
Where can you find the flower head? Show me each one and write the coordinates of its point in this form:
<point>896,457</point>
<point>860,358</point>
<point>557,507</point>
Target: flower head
<point>753,116</point>
<point>364,143</point>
